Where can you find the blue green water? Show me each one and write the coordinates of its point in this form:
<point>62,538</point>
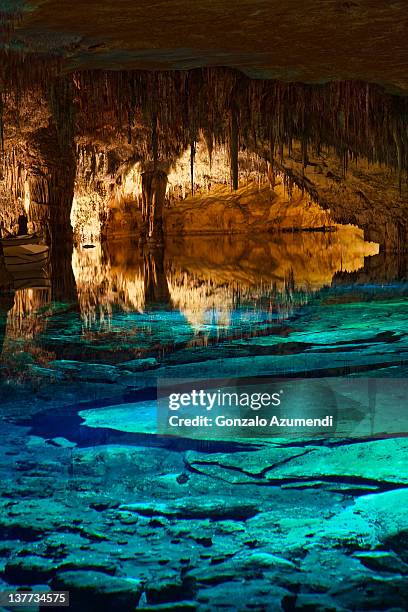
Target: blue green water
<point>88,493</point>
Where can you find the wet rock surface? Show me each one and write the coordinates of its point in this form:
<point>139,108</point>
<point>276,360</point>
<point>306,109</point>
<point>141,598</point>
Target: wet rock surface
<point>94,501</point>
<point>98,590</point>
<point>117,526</point>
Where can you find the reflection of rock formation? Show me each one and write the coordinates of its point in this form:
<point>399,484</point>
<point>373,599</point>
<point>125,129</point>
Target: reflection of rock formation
<point>26,322</point>
<point>108,279</point>
<point>23,320</point>
<point>155,280</point>
<point>6,298</point>
<point>6,303</point>
<point>207,278</point>
<point>313,257</point>
<point>118,275</point>
<point>382,268</point>
<point>18,307</point>
<point>62,278</point>
<point>210,281</point>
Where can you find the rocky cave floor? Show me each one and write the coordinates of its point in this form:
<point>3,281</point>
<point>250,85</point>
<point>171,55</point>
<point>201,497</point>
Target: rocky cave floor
<point>125,520</point>
<point>273,527</point>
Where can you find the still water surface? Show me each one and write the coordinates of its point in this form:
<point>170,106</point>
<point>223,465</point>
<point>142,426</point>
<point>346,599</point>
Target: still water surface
<point>299,304</point>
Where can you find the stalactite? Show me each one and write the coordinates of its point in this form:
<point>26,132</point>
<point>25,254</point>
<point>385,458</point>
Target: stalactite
<point>154,185</point>
<point>155,148</point>
<point>208,138</point>
<point>192,158</point>
<point>144,116</point>
<point>329,115</point>
<point>234,147</point>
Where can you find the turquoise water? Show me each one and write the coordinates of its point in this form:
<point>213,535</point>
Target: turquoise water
<point>91,496</point>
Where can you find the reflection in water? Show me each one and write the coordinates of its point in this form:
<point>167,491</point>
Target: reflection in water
<point>103,285</point>
<point>63,287</point>
<point>6,304</point>
<point>205,278</point>
<point>23,319</point>
<point>20,327</point>
<point>275,302</point>
<point>155,280</point>
<point>210,278</point>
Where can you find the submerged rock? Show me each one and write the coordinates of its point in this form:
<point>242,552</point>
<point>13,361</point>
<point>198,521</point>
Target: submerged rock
<point>61,442</point>
<point>82,371</point>
<point>214,508</point>
<point>383,561</point>
<point>266,560</point>
<point>255,594</point>
<point>29,570</point>
<point>243,467</point>
<point>377,593</point>
<point>174,606</point>
<point>172,591</point>
<point>137,365</point>
<point>387,512</point>
<point>373,463</point>
<point>96,591</point>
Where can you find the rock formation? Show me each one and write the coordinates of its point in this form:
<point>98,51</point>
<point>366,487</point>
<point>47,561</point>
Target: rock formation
<point>344,144</point>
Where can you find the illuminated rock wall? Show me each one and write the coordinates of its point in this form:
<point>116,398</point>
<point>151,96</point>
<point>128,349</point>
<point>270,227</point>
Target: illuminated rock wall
<point>344,144</point>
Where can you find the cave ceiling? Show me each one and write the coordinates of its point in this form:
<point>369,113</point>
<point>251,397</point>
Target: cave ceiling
<point>309,41</point>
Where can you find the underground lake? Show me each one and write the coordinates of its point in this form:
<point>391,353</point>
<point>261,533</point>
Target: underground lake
<point>203,306</point>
